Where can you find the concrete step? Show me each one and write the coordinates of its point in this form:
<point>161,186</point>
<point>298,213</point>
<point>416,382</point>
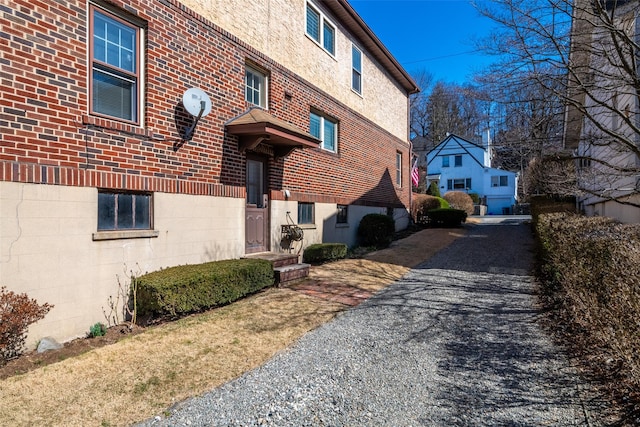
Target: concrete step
<point>291,272</point>
<point>277,259</point>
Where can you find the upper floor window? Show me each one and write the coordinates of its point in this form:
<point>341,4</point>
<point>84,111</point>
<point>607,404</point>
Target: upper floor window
<point>326,130</point>
<point>115,66</point>
<point>320,29</point>
<point>356,69</point>
<point>445,161</point>
<point>124,211</point>
<point>500,181</point>
<point>255,87</point>
<point>398,169</point>
<point>457,160</point>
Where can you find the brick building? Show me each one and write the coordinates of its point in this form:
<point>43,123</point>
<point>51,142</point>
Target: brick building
<point>99,177</point>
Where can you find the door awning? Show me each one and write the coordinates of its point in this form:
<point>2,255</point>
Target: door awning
<point>256,126</point>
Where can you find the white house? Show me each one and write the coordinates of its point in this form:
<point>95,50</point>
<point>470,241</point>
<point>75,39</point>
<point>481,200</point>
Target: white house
<point>602,120</point>
<point>461,165</point>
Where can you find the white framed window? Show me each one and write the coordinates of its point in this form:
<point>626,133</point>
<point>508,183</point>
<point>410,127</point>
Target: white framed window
<point>255,84</point>
<point>398,169</point>
<point>320,29</point>
<point>457,160</point>
<point>459,184</point>
<point>445,161</point>
<point>116,67</point>
<point>124,211</point>
<point>356,69</point>
<point>326,130</point>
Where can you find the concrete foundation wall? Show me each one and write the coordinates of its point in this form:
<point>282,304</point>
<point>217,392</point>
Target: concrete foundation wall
<point>47,249</point>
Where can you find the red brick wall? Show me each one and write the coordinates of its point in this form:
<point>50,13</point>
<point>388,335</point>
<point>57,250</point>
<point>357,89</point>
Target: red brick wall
<point>47,136</point>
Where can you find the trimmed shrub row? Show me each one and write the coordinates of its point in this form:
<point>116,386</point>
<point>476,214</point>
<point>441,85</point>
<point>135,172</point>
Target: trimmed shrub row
<point>323,252</point>
<point>423,203</point>
<point>591,270</point>
<point>446,217</point>
<point>181,290</point>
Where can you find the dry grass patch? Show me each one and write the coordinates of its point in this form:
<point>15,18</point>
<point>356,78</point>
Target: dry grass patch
<point>140,376</point>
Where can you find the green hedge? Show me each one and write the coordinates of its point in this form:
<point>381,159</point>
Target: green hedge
<point>322,252</point>
<point>376,230</point>
<point>446,217</point>
<point>181,290</point>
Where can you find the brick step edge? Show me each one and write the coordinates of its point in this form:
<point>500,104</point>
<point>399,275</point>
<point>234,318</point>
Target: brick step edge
<point>288,273</point>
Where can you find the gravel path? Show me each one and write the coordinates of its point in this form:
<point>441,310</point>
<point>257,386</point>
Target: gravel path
<point>454,343</point>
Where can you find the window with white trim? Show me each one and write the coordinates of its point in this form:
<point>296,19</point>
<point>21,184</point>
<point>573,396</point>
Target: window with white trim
<point>459,184</point>
<point>325,129</point>
<point>457,160</point>
<point>320,29</point>
<point>398,169</point>
<point>124,211</point>
<point>445,161</point>
<point>255,86</point>
<point>115,82</point>
<point>356,69</point>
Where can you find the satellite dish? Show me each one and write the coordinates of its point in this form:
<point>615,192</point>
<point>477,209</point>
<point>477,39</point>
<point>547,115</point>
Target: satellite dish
<point>196,102</point>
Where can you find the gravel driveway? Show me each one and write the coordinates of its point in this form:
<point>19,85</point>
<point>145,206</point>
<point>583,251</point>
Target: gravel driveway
<point>456,342</point>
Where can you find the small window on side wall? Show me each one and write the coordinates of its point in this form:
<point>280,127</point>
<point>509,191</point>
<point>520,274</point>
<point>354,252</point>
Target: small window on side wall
<point>342,217</point>
<point>305,213</point>
<point>356,69</point>
<point>115,66</point>
<point>399,169</point>
<point>325,129</point>
<point>124,211</point>
<point>255,87</point>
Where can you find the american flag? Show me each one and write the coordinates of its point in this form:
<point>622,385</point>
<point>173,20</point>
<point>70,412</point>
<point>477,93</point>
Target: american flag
<point>415,174</point>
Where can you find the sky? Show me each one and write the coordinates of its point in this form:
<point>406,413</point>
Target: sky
<point>431,35</point>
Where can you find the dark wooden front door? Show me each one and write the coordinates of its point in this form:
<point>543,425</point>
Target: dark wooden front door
<point>257,211</point>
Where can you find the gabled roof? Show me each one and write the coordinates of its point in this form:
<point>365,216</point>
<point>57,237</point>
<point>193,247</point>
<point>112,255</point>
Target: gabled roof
<point>256,126</point>
<point>462,143</point>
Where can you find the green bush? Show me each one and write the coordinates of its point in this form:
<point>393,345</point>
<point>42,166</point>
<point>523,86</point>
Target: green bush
<point>17,312</point>
<point>376,230</point>
<point>433,189</point>
<point>460,200</point>
<point>98,330</point>
<point>322,252</point>
<point>475,197</point>
<point>177,291</point>
<point>447,217</point>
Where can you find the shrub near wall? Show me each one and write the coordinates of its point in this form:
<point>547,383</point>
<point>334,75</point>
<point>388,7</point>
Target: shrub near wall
<point>185,289</point>
<point>323,252</point>
<point>423,203</point>
<point>460,200</point>
<point>376,230</point>
<point>591,268</point>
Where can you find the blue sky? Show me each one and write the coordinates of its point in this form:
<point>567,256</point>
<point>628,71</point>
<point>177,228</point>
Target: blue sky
<point>432,35</point>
